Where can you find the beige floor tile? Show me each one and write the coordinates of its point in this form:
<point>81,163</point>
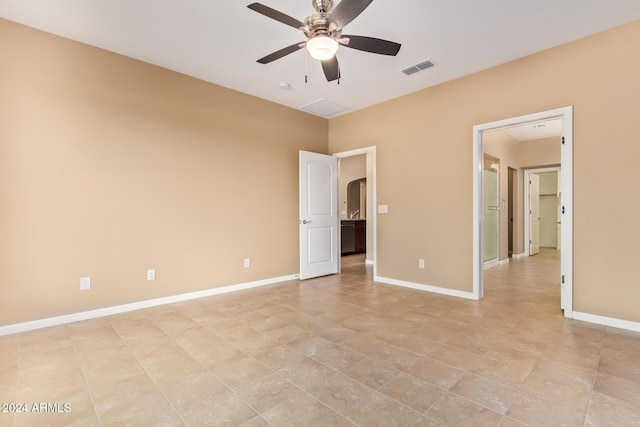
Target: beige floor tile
<point>304,410</point>
<point>256,421</point>
<point>538,411</point>
<point>135,387</point>
<point>424,421</point>
<point>559,383</point>
<point>391,355</point>
<point>153,410</point>
<point>279,356</point>
<point>306,373</point>
<point>624,370</point>
<point>452,410</point>
<point>194,392</point>
<point>267,324</point>
<point>270,391</point>
<point>618,388</point>
<point>238,333</point>
<point>172,368</point>
<point>288,333</point>
<point>455,356</point>
<point>336,350</point>
<point>490,394</point>
<point>228,409</point>
<point>223,354</point>
<point>371,373</point>
<point>419,345</point>
<point>199,341</point>
<point>413,392</point>
<point>510,422</point>
<point>516,341</point>
<point>361,404</point>
<point>241,372</point>
<point>437,373</point>
<point>606,411</point>
<point>512,372</point>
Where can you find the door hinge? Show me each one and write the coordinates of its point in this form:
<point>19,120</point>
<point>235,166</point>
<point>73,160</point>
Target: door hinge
<point>563,210</point>
<point>563,140</point>
<point>563,279</point>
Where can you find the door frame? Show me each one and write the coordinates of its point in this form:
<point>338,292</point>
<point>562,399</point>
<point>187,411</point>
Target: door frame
<point>373,214</point>
<point>566,114</point>
<point>527,228</point>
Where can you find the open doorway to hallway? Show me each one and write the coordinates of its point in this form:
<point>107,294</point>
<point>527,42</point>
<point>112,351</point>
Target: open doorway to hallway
<point>514,147</point>
<point>357,201</point>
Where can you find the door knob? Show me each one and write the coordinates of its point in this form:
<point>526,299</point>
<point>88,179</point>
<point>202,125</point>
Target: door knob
<point>304,221</point>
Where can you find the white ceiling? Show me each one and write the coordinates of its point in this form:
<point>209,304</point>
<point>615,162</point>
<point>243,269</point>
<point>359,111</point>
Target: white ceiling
<point>220,41</point>
<point>537,130</point>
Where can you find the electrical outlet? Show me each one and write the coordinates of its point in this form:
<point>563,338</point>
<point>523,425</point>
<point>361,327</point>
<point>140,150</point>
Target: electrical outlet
<point>151,274</point>
<point>85,283</point>
<point>421,263</point>
<point>247,262</point>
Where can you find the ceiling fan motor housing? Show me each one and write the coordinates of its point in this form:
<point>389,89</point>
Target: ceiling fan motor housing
<point>318,24</point>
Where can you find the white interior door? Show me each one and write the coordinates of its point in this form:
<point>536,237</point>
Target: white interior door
<point>319,222</point>
<point>534,214</point>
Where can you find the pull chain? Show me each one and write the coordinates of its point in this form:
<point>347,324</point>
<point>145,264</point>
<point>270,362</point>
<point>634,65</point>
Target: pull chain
<point>305,65</point>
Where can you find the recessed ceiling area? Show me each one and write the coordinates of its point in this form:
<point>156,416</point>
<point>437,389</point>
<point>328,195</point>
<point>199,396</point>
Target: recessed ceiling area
<point>537,130</point>
<point>220,41</point>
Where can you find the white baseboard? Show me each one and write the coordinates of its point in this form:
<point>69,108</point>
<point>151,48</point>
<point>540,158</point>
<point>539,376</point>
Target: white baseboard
<point>517,256</point>
<point>504,261</point>
<point>368,261</point>
<point>607,321</point>
<point>428,288</point>
<point>491,264</point>
<point>108,311</point>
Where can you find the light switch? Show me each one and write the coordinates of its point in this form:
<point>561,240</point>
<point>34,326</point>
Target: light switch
<point>383,209</point>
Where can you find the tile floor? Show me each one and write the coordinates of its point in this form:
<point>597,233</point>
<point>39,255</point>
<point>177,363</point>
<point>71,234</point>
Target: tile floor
<point>333,351</point>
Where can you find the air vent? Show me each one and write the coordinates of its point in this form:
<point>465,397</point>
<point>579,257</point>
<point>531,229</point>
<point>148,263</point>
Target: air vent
<point>427,63</point>
<point>323,107</point>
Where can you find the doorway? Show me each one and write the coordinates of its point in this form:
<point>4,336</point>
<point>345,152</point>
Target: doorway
<point>367,203</point>
<point>320,213</point>
<point>566,116</point>
<point>548,209</point>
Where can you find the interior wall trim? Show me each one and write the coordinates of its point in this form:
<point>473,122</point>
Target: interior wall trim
<point>108,311</point>
<point>427,288</point>
<point>607,321</point>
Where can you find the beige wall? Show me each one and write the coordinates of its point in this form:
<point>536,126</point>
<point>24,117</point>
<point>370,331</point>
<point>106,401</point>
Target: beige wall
<point>538,153</point>
<point>110,166</point>
<point>500,145</point>
<point>424,165</point>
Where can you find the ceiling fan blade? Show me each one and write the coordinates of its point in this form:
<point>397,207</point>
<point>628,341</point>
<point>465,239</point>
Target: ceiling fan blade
<point>371,44</point>
<point>280,53</point>
<point>331,69</point>
<point>274,14</point>
<point>348,10</point>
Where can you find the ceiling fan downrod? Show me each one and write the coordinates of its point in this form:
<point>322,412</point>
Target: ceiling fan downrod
<point>322,6</point>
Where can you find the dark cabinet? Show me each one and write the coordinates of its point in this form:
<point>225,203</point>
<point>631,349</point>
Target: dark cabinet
<point>353,236</point>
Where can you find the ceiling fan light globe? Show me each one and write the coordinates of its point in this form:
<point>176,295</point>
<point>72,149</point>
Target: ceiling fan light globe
<point>322,47</point>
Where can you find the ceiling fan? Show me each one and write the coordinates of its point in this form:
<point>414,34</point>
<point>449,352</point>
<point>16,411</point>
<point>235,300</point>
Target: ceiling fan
<point>324,33</point>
